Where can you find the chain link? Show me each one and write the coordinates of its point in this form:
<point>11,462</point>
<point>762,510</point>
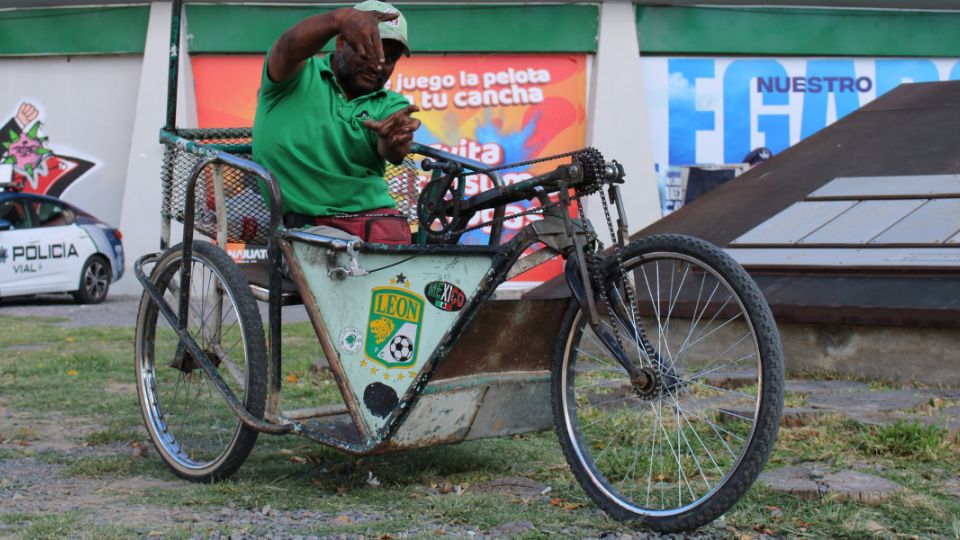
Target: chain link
<point>628,289</point>
<point>531,161</point>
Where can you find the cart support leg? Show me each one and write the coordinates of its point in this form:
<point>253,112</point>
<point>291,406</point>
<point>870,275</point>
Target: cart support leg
<point>273,314</point>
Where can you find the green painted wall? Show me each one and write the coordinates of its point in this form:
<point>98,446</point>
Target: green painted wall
<point>795,31</point>
<point>509,28</point>
<point>433,28</point>
<point>72,31</point>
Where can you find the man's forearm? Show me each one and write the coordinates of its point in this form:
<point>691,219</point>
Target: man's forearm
<point>301,41</point>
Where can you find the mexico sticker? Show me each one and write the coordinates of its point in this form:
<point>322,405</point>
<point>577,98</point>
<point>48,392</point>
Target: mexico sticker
<point>445,296</point>
<point>393,328</point>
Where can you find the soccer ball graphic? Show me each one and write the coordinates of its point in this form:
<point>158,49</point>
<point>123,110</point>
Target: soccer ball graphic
<point>401,349</point>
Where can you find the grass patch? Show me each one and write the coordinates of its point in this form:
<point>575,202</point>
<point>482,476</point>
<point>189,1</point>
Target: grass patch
<point>70,524</point>
<point>51,457</point>
<point>16,517</point>
<point>910,440</point>
<point>111,436</point>
<point>44,526</point>
<point>9,483</point>
<point>9,453</point>
<point>113,466</point>
<point>302,386</point>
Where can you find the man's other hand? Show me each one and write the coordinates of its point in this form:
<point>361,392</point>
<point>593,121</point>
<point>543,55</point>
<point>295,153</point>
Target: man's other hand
<point>395,133</point>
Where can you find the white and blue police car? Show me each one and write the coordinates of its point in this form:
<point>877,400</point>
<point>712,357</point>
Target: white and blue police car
<point>49,246</point>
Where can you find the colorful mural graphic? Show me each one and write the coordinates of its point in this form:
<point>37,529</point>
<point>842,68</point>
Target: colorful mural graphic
<point>27,160</point>
<point>496,109</point>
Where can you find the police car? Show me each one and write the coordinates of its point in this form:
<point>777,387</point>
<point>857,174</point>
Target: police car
<point>48,245</point>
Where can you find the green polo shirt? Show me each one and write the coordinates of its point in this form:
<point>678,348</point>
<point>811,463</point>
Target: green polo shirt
<point>314,142</point>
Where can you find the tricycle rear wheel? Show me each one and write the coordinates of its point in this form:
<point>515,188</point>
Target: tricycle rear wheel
<point>677,448</point>
<point>194,430</point>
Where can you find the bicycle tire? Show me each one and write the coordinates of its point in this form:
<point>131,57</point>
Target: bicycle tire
<point>619,440</point>
<point>200,438</point>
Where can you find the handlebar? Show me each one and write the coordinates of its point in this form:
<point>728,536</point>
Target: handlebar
<point>549,182</point>
<point>448,167</point>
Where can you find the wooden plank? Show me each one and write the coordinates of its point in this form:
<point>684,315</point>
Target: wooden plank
<point>898,258</point>
<point>935,222</point>
<point>874,187</point>
<point>794,223</point>
<point>862,222</point>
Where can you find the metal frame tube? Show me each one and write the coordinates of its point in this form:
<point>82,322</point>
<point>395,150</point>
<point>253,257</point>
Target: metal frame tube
<point>174,65</point>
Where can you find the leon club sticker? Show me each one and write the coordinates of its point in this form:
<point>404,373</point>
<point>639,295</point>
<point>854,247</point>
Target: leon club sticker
<point>350,340</point>
<point>393,327</point>
<point>444,295</point>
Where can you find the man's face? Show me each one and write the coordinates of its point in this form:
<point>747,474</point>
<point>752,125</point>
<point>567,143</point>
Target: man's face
<point>360,76</point>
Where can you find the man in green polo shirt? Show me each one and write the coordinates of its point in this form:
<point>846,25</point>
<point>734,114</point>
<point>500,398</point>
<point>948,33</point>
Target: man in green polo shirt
<point>324,126</point>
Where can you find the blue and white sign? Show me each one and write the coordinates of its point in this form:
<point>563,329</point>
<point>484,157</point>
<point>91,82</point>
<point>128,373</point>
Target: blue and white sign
<point>715,110</point>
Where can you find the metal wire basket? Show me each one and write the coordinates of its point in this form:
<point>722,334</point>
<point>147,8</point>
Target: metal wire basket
<point>247,214</point>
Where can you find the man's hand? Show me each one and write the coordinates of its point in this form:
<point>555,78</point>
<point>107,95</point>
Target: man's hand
<point>395,133</point>
<point>305,39</point>
<point>359,30</point>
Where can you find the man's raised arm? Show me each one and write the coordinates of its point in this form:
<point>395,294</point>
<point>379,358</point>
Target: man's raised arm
<point>305,39</point>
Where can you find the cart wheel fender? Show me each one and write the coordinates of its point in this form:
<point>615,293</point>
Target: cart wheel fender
<point>574,281</point>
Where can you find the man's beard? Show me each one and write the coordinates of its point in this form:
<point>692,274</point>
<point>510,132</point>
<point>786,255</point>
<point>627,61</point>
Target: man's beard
<point>350,82</point>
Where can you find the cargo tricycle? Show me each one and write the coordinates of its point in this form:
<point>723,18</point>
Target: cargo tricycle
<point>629,357</point>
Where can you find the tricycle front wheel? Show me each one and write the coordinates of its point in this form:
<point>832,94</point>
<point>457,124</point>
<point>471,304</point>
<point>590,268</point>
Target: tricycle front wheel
<point>194,430</point>
<point>677,448</point>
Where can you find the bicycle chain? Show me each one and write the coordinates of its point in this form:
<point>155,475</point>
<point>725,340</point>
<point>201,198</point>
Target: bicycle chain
<point>531,161</point>
<point>535,210</point>
<point>593,264</point>
<point>631,299</point>
<point>595,173</point>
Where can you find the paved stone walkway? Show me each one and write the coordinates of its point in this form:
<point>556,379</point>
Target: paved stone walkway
<point>812,481</point>
<point>858,402</point>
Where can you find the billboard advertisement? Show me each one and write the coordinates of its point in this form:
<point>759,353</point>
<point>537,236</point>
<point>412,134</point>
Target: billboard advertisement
<point>716,110</point>
<point>496,109</point>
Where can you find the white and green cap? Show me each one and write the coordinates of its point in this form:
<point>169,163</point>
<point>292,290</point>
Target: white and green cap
<point>395,29</point>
